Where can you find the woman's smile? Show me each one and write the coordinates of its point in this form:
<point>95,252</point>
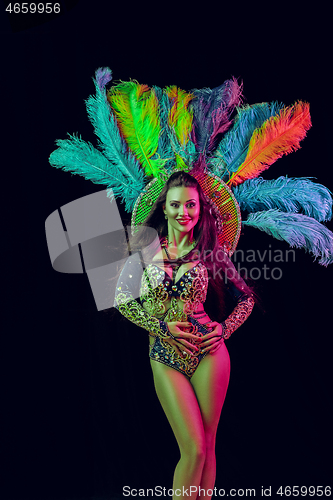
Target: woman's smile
<point>183,222</point>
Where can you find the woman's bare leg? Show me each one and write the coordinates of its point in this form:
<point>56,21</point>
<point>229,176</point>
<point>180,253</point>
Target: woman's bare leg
<point>181,407</point>
<point>210,383</point>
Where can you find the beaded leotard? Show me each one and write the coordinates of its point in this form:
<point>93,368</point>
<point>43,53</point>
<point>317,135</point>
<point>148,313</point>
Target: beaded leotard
<point>161,299</point>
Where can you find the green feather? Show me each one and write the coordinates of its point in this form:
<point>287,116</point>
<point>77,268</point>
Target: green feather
<point>136,109</point>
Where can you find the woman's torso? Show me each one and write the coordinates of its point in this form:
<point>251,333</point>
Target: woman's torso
<point>171,290</point>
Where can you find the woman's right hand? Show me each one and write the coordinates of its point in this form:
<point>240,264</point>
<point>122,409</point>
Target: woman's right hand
<point>180,342</point>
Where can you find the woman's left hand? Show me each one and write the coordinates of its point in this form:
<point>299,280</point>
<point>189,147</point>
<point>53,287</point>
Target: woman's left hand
<point>212,341</point>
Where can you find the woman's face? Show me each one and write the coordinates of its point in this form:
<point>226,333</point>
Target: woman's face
<point>182,207</point>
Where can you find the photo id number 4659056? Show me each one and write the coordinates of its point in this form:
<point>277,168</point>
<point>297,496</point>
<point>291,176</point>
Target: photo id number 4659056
<point>33,8</point>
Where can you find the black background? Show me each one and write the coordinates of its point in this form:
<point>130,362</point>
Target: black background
<point>81,416</point>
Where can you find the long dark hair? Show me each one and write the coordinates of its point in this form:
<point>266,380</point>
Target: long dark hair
<point>204,233</point>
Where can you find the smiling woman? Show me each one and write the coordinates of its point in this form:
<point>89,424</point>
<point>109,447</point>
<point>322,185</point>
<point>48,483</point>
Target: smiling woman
<point>188,356</point>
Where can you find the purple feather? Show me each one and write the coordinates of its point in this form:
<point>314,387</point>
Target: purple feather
<point>212,110</point>
<point>103,77</point>
<point>231,99</point>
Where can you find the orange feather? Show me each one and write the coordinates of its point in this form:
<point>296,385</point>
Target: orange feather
<point>278,136</point>
<point>180,116</point>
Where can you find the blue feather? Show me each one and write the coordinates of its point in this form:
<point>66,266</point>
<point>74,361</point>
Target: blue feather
<point>79,157</point>
<point>297,230</point>
<point>110,140</point>
<point>287,194</point>
<point>232,150</point>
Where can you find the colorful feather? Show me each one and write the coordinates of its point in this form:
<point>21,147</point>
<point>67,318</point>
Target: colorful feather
<point>103,77</point>
<point>286,194</point>
<point>297,230</point>
<point>180,116</point>
<point>232,98</point>
<point>136,109</point>
<point>79,157</point>
<point>278,136</point>
<point>232,150</point>
<point>212,110</point>
<point>164,149</point>
<point>106,129</point>
<point>180,119</point>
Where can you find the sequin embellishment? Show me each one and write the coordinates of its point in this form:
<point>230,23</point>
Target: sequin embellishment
<point>241,312</point>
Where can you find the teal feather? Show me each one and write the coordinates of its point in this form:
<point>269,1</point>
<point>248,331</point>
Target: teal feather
<point>79,157</point>
<point>297,230</point>
<point>232,150</point>
<point>110,141</point>
<point>286,194</point>
<point>188,152</point>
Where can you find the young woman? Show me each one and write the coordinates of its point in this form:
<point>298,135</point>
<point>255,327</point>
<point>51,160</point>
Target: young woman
<point>173,283</point>
<point>189,359</point>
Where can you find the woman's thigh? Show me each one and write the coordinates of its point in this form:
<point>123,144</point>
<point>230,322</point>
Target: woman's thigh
<point>210,382</point>
<point>180,404</point>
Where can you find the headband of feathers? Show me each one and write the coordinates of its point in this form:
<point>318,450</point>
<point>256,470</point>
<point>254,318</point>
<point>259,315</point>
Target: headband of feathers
<point>146,133</point>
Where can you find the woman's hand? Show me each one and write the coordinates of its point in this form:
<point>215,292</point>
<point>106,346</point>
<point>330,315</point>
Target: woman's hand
<point>181,342</point>
<point>212,341</point>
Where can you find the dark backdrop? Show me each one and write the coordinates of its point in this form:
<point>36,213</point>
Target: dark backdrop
<point>81,416</point>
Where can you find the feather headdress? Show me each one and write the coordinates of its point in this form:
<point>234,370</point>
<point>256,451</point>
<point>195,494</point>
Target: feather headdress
<point>145,134</point>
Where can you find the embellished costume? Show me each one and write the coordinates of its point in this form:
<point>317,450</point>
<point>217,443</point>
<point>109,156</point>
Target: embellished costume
<point>162,300</point>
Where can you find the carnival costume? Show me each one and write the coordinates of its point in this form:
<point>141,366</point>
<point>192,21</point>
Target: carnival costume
<point>146,134</point>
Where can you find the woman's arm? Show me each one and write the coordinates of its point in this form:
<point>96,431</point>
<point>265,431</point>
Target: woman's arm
<point>245,302</point>
<point>213,341</point>
<point>127,290</point>
<point>240,314</point>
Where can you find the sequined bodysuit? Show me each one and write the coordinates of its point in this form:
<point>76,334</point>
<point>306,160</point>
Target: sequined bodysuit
<point>161,299</point>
